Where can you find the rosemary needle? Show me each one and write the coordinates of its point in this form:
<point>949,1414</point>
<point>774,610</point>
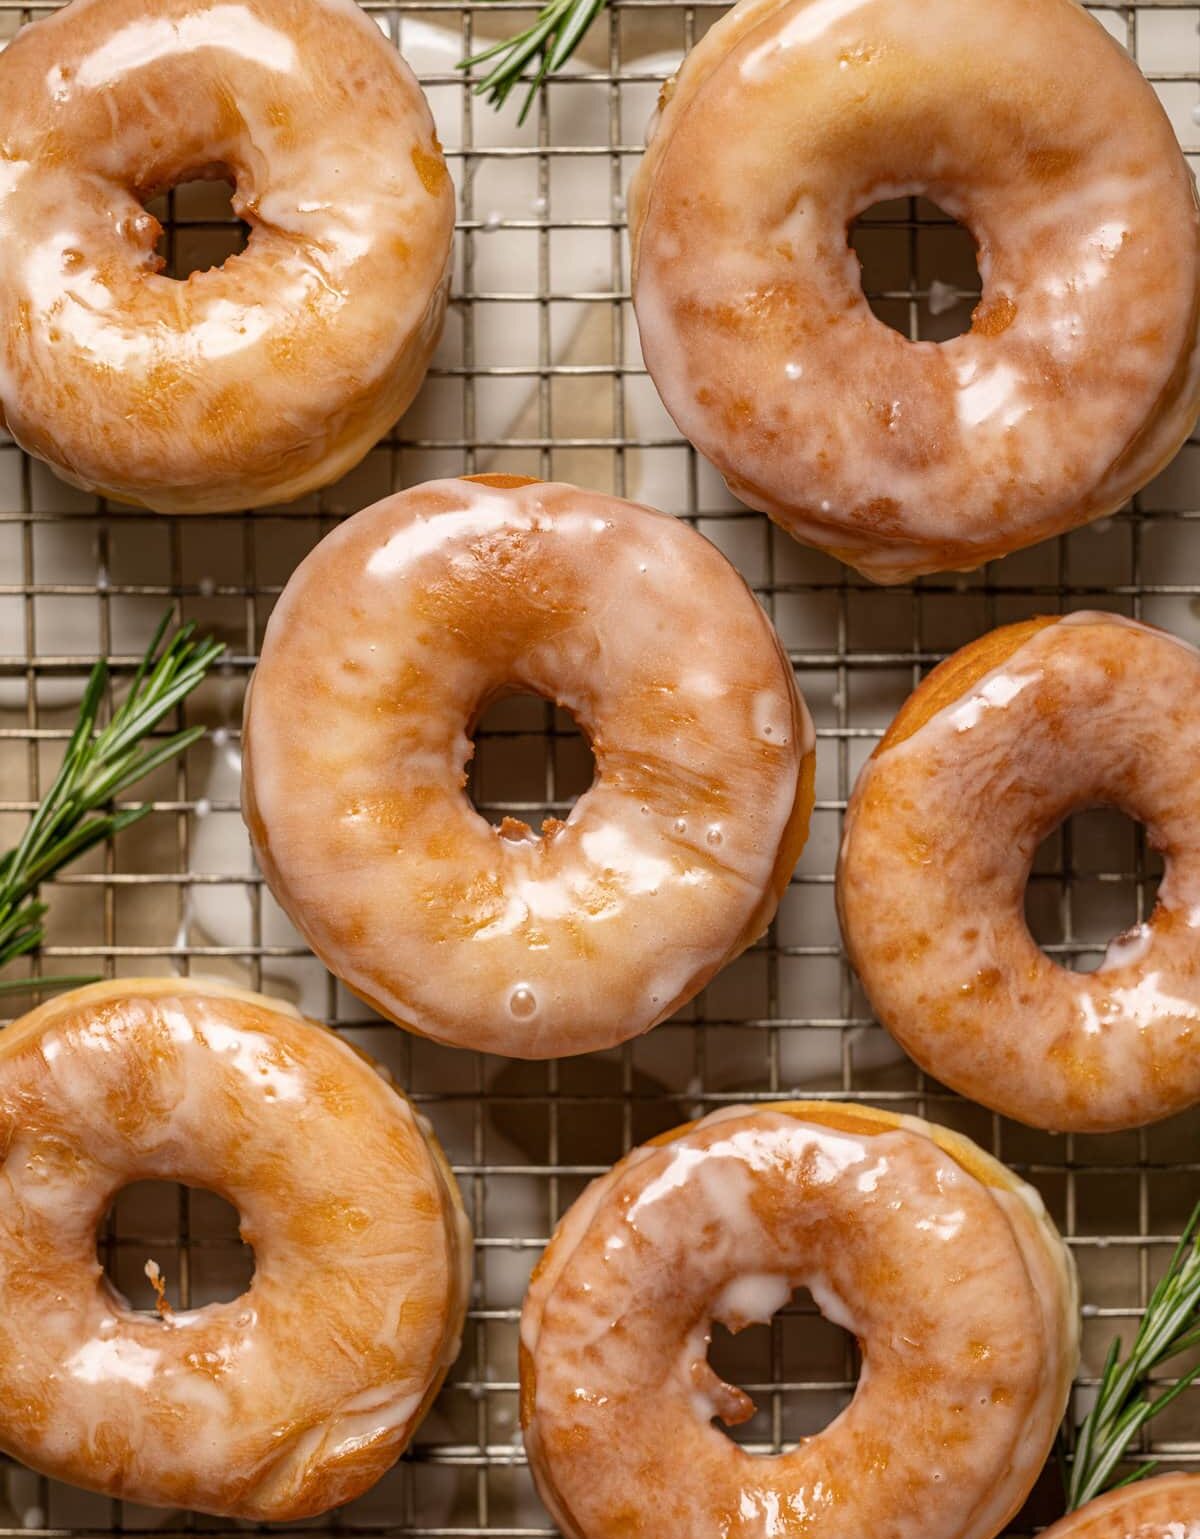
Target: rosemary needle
<point>1170,1325</point>
<point>550,40</point>
<point>99,763</point>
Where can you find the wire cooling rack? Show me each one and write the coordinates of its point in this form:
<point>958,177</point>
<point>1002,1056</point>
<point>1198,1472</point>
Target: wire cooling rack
<point>540,372</point>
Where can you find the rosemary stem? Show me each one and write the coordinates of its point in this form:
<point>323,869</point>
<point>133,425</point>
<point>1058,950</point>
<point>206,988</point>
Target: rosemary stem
<point>97,765</point>
<point>551,39</point>
<point>1124,1400</point>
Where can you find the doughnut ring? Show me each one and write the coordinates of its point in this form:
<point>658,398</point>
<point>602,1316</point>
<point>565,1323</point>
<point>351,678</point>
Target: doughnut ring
<point>269,375</point>
<point>301,1393</point>
<point>940,1261</point>
<point>385,648</point>
<point>1167,1507</point>
<point>1079,377</point>
<point>998,745</point>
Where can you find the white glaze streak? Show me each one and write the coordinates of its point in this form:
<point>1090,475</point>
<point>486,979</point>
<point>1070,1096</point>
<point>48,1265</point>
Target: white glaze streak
<point>1167,1507</point>
<point>940,836</point>
<point>278,1404</point>
<point>385,646</point>
<point>252,382</point>
<point>1081,374</point>
<point>961,1294</point>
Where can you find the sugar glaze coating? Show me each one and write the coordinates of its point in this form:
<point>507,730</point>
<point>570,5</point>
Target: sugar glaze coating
<point>299,1394</point>
<point>996,748</point>
<point>384,650</point>
<point>1079,376</point>
<point>1166,1507</point>
<point>274,373</point>
<point>940,1261</point>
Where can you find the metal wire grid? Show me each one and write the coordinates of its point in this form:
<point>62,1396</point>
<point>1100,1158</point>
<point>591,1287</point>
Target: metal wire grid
<point>178,891</point>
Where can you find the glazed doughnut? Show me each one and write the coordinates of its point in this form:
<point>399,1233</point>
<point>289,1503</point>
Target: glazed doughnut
<point>939,1260</point>
<point>1079,377</point>
<point>301,1393</point>
<point>269,375</point>
<point>1167,1507</point>
<point>387,645</point>
<point>998,745</point>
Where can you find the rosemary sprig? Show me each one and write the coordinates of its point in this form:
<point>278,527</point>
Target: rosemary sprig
<point>98,765</point>
<point>1170,1325</point>
<point>550,41</point>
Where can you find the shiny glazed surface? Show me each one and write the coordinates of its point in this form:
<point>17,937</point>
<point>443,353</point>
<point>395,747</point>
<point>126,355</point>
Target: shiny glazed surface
<point>301,1393</point>
<point>1167,1507</point>
<point>1079,377</point>
<point>942,1263</point>
<point>274,373</point>
<point>995,749</point>
<point>385,648</point>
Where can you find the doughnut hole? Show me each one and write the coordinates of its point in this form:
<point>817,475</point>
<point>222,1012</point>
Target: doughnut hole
<point>200,230</point>
<point>189,1233</point>
<point>919,269</point>
<point>531,762</point>
<point>1094,879</point>
<point>800,1371</point>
